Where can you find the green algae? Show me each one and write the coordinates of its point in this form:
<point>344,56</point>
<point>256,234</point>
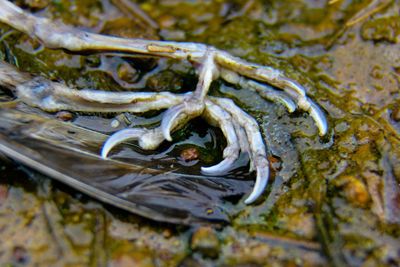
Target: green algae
<point>332,200</point>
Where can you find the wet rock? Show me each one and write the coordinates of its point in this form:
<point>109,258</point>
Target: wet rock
<point>64,115</point>
<point>205,241</point>
<point>3,194</point>
<point>167,233</point>
<point>166,21</point>
<point>173,35</point>
<point>127,73</point>
<point>396,114</point>
<point>20,255</point>
<point>275,163</point>
<point>190,262</point>
<point>165,81</point>
<point>37,4</point>
<point>92,61</point>
<point>301,224</point>
<point>374,187</point>
<point>78,234</point>
<point>382,29</point>
<point>132,260</point>
<point>353,190</point>
<point>125,27</point>
<point>189,154</point>
<point>248,254</point>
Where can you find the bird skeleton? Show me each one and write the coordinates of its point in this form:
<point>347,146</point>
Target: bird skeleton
<point>241,131</point>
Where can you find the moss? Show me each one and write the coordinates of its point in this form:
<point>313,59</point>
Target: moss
<point>382,29</point>
<point>327,196</point>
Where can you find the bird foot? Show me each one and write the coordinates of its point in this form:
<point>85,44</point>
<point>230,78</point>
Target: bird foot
<point>240,130</point>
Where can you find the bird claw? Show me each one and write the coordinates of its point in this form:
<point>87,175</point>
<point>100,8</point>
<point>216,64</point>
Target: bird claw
<point>148,139</point>
<point>219,169</point>
<point>240,130</point>
<point>119,137</point>
<point>170,119</point>
<point>178,115</point>
<point>217,116</point>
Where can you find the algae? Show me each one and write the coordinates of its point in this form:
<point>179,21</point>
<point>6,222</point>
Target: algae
<point>334,200</point>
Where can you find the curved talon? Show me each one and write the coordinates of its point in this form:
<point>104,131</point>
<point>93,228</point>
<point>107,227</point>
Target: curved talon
<point>169,120</point>
<point>260,184</point>
<point>219,169</point>
<point>257,151</point>
<point>306,104</point>
<point>319,118</point>
<point>292,87</point>
<point>148,139</point>
<point>119,137</point>
<point>216,116</point>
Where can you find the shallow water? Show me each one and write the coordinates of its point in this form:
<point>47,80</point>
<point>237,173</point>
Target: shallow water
<point>330,200</point>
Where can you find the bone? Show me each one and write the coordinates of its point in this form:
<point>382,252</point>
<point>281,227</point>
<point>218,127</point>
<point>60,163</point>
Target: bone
<point>180,108</point>
<point>256,145</point>
<point>297,91</point>
<point>208,73</point>
<point>215,115</point>
<point>53,96</point>
<point>194,105</point>
<point>171,119</point>
<point>292,90</point>
<point>219,169</point>
<point>267,92</point>
<point>149,139</point>
<point>303,102</point>
<point>59,36</point>
<point>242,137</point>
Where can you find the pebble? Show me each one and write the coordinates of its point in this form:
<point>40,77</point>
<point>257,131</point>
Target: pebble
<point>166,21</point>
<point>205,241</point>
<point>396,114</point>
<point>354,190</point>
<point>167,233</point>
<point>20,255</point>
<point>64,115</point>
<point>3,194</point>
<point>115,123</point>
<point>190,154</point>
<point>37,4</point>
<point>127,73</point>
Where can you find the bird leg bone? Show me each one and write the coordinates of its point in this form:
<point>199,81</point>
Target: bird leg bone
<point>231,68</point>
<point>240,130</point>
<point>237,126</point>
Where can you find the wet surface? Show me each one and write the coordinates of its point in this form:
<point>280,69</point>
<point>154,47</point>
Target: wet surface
<point>330,200</point>
<point>70,155</point>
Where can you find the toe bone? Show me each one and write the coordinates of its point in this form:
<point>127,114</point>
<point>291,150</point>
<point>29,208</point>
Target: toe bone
<point>218,117</point>
<point>256,145</point>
